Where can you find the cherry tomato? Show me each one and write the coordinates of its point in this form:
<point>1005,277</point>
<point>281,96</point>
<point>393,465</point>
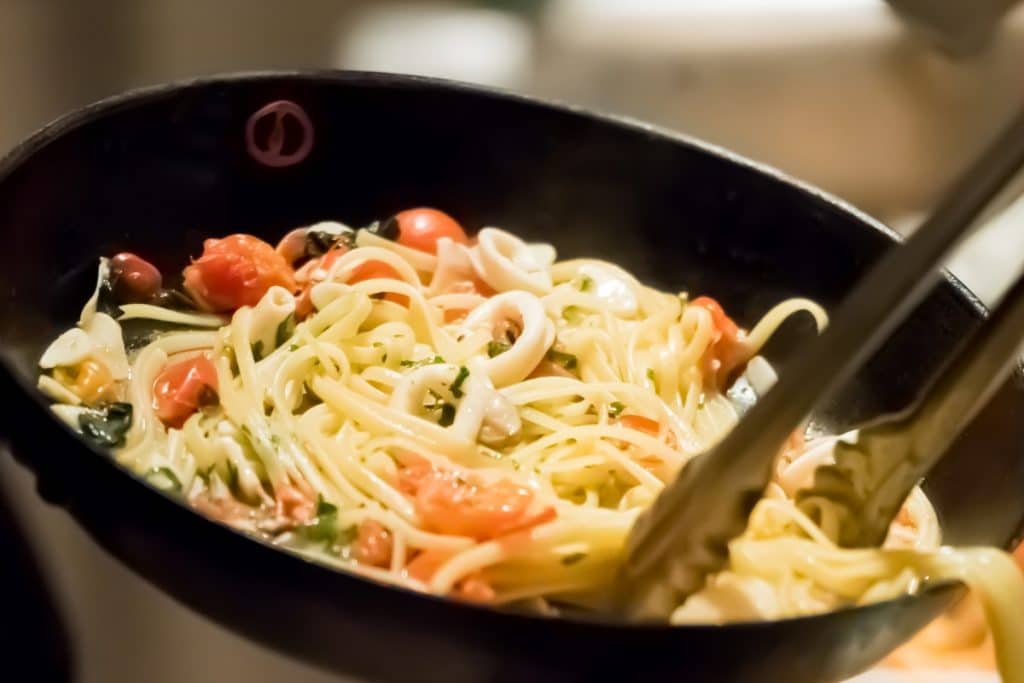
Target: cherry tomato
<point>236,271</point>
<point>726,350</point>
<point>421,228</point>
<point>473,588</point>
<point>724,325</point>
<point>133,279</point>
<point>450,503</point>
<point>373,544</point>
<point>425,564</point>
<point>181,387</point>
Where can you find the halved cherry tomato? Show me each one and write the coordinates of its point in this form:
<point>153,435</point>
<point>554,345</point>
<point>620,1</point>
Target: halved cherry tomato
<point>181,387</point>
<point>133,279</point>
<point>473,588</point>
<point>452,503</point>
<point>236,271</point>
<point>421,228</point>
<point>373,544</point>
<point>725,351</point>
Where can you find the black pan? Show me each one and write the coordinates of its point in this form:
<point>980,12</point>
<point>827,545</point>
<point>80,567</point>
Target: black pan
<point>157,170</point>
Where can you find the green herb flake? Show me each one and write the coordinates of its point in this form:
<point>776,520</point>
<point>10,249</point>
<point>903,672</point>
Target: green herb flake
<point>232,480</point>
<point>650,374</point>
<point>232,360</point>
<point>460,379</point>
<point>346,536</point>
<point>575,558</point>
<point>572,314</point>
<point>615,408</point>
<point>107,427</point>
<point>324,528</point>
<point>585,283</point>
<point>325,508</point>
<point>164,479</point>
<point>566,360</point>
<point>496,348</point>
<point>257,350</point>
<point>436,360</point>
<point>447,415</point>
<point>205,473</point>
<point>293,347</point>
<point>285,330</point>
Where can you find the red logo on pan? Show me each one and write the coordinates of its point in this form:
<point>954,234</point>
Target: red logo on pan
<point>279,134</point>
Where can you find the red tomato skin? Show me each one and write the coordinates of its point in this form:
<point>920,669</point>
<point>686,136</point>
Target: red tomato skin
<point>420,229</point>
<point>178,389</point>
<point>236,271</point>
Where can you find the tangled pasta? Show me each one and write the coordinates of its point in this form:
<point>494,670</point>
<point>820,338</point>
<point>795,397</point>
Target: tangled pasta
<point>464,417</point>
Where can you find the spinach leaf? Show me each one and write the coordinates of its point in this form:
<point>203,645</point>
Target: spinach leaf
<point>324,527</point>
<point>107,427</point>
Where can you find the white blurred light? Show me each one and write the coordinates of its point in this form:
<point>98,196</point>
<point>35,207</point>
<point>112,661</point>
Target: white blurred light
<point>475,45</point>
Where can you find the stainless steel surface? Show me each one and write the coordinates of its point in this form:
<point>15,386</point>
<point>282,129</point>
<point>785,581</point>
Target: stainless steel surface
<point>684,535</point>
<point>890,457</point>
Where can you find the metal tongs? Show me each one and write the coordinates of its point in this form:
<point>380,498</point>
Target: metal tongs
<point>683,537</point>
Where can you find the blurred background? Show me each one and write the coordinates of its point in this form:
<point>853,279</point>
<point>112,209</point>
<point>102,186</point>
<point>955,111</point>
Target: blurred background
<point>838,92</point>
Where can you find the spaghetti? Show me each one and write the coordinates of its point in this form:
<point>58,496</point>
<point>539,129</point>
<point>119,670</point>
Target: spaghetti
<point>464,417</point>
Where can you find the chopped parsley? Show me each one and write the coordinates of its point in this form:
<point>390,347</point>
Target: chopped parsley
<point>496,348</point>
<point>460,379</point>
<point>566,360</point>
<point>420,363</point>
<point>615,408</point>
<point>447,415</point>
<point>585,283</point>
<point>324,527</point>
<point>107,427</point>
<point>285,330</point>
<point>232,480</point>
